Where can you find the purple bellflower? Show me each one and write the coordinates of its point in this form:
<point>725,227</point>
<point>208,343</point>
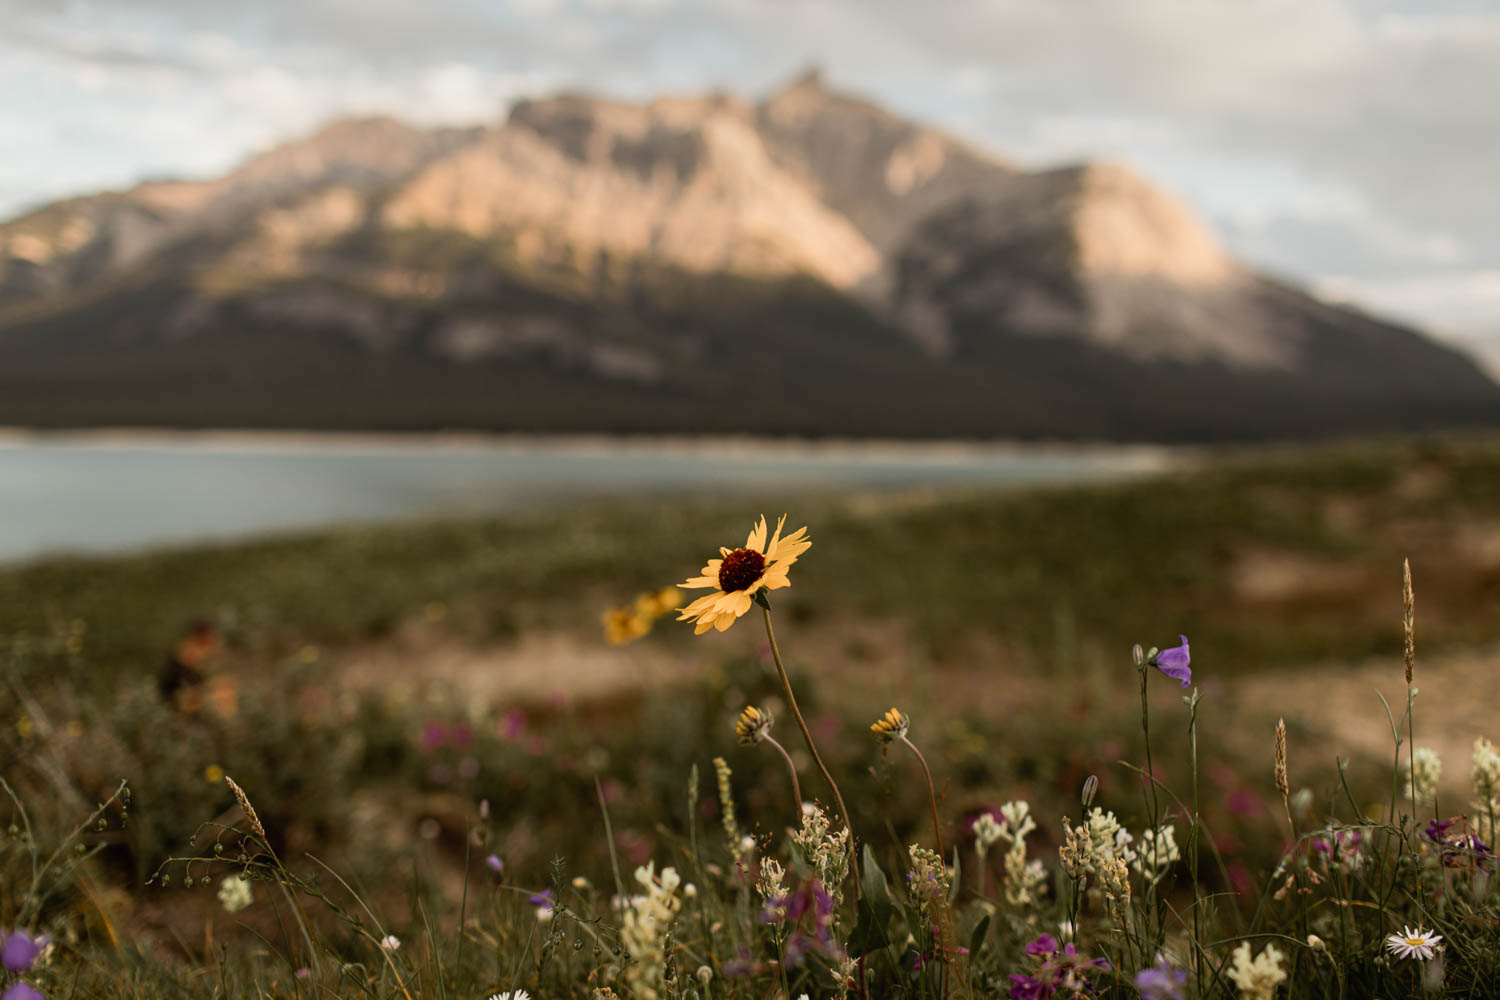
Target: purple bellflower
<point>20,950</point>
<point>1175,662</point>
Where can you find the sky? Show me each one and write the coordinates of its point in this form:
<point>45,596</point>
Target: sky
<point>1352,146</point>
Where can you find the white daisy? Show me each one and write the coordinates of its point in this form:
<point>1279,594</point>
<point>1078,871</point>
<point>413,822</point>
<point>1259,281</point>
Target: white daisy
<point>390,942</point>
<point>1419,944</point>
<point>508,995</point>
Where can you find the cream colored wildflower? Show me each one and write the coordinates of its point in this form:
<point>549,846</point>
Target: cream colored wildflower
<point>1025,880</point>
<point>986,833</point>
<point>740,573</point>
<point>726,808</point>
<point>1257,979</point>
<point>825,850</point>
<point>645,931</point>
<point>1421,773</point>
<point>1018,821</point>
<point>1158,850</point>
<point>929,882</point>
<point>235,893</point>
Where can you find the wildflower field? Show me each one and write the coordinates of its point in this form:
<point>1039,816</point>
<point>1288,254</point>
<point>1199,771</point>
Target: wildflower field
<point>1219,733</point>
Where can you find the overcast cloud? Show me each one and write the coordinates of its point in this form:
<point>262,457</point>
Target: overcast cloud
<point>1352,145</point>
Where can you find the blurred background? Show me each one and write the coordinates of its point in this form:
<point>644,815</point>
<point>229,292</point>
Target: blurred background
<point>356,361</point>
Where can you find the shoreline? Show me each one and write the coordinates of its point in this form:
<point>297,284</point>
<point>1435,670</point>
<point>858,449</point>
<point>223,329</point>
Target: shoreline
<point>748,445</point>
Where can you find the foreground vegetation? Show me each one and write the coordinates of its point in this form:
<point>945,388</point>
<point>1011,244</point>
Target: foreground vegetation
<point>515,845</point>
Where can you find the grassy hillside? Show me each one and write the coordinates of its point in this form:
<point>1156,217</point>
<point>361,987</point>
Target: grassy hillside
<point>1271,558</point>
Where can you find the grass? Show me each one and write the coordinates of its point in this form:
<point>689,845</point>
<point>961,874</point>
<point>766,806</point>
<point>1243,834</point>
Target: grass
<point>379,807</point>
<point>1299,540</point>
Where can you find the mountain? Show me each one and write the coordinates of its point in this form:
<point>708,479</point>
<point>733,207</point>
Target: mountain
<point>809,264</point>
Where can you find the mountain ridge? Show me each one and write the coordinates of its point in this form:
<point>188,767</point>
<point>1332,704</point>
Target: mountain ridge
<point>614,249</point>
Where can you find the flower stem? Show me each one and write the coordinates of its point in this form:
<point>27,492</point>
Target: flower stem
<point>791,700</point>
<point>937,827</point>
<point>790,769</point>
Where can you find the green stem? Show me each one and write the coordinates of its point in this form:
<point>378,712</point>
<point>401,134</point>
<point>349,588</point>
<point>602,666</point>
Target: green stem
<point>937,827</point>
<point>791,769</point>
<point>812,747</point>
<point>1193,835</point>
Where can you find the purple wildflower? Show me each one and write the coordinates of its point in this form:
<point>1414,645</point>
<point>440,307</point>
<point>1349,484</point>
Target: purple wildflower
<point>543,899</point>
<point>494,864</point>
<point>1175,662</point>
<point>1042,946</point>
<point>21,990</point>
<point>1028,988</point>
<point>1460,850</point>
<point>1061,974</point>
<point>20,950</point>
<point>1436,831</point>
<point>1161,982</point>
<point>810,912</point>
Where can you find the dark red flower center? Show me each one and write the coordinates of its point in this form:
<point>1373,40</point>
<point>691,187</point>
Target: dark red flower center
<point>740,569</point>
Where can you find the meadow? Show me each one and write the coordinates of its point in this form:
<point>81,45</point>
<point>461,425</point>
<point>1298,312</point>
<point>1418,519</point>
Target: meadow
<point>449,782</point>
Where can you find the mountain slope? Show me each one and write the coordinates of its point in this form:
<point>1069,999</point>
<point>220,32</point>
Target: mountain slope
<point>812,264</point>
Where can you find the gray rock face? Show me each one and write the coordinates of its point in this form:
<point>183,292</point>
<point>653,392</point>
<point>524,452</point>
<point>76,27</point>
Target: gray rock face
<point>628,246</point>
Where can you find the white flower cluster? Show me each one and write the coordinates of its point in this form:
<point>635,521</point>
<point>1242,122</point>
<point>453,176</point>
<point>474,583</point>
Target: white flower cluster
<point>645,931</point>
<point>1101,848</point>
<point>1421,773</point>
<point>986,833</point>
<point>827,853</point>
<point>1486,788</point>
<point>1158,850</point>
<point>1025,881</point>
<point>771,888</point>
<point>929,883</point>
<point>235,894</point>
<point>1100,844</point>
<point>1257,979</point>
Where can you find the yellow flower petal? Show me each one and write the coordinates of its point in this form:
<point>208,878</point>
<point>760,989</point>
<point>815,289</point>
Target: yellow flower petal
<point>698,607</point>
<point>757,537</point>
<point>738,603</point>
<point>775,538</point>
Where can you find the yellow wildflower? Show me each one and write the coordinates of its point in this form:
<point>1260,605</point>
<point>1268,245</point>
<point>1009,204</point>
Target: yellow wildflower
<point>753,725</point>
<point>740,573</point>
<point>891,726</point>
<point>622,625</point>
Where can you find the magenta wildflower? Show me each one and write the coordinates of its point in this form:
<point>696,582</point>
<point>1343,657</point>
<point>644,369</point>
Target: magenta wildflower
<point>1460,850</point>
<point>20,950</point>
<point>1062,973</point>
<point>1175,662</point>
<point>1437,831</point>
<point>1042,946</point>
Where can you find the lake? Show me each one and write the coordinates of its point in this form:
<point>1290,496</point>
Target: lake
<point>93,493</point>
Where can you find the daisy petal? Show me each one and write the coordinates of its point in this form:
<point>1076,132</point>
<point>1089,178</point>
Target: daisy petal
<point>770,552</point>
<point>757,537</point>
